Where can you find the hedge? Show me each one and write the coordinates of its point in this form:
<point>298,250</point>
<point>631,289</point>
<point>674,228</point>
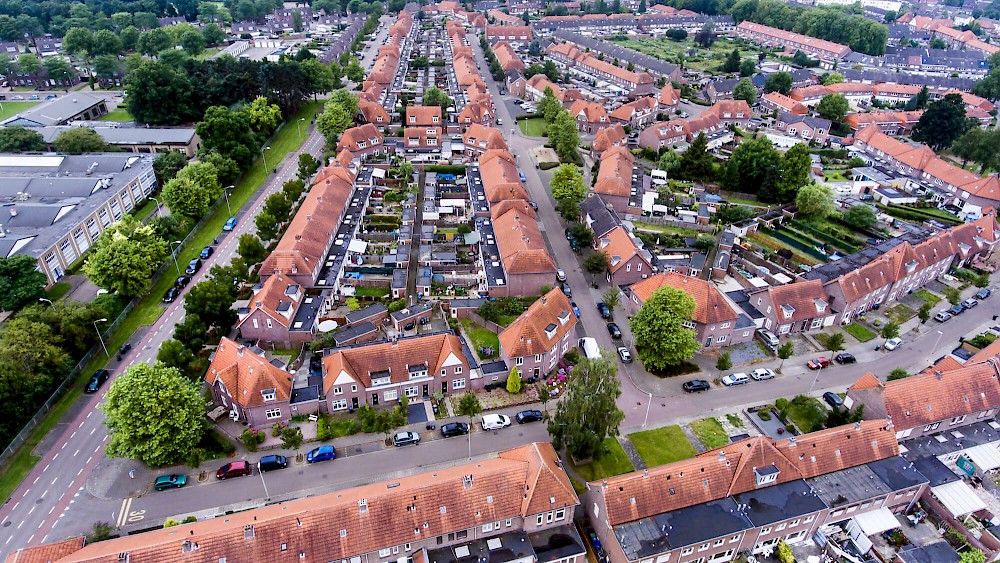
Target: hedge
<point>547,165</point>
<point>445,169</point>
<point>847,243</point>
<point>797,244</point>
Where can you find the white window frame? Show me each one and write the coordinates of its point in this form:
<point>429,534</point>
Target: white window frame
<point>272,414</point>
<point>458,383</point>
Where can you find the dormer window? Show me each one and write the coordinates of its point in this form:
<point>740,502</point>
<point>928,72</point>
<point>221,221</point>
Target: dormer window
<point>765,475</point>
<point>550,330</point>
<point>820,305</point>
<point>564,317</point>
<point>413,119</point>
<point>787,311</point>
<point>268,395</point>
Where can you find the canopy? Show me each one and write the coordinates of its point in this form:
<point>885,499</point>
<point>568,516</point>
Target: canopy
<point>358,246</point>
<point>985,456</point>
<point>958,498</point>
<point>876,521</point>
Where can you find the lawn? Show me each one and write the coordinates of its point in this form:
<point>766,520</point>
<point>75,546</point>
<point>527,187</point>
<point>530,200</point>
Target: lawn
<point>149,309</point>
<point>666,229</point>
<point>117,116</point>
<point>481,337</point>
<point>859,332</point>
<point>57,291</point>
<point>747,202</point>
<point>710,432</point>
<point>662,445</point>
<point>703,59</point>
<point>806,412</point>
<point>374,292</point>
<point>900,313</point>
<point>927,297</point>
<point>609,462</point>
<point>144,209</point>
<point>532,127</point>
<point>10,109</point>
<point>735,420</point>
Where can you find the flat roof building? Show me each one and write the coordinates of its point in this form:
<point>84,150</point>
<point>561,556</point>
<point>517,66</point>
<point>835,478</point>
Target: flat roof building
<point>60,111</point>
<point>134,138</point>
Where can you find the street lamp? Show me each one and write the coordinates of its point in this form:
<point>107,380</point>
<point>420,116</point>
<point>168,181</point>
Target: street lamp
<point>938,341</point>
<point>173,254</point>
<point>158,214</point>
<point>649,402</point>
<point>816,379</point>
<point>45,300</point>
<point>267,495</point>
<point>225,192</point>
<point>101,338</point>
<point>297,126</point>
<point>264,158</point>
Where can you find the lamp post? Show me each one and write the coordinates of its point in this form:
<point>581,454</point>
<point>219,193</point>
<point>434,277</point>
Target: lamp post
<point>225,192</point>
<point>49,301</point>
<point>261,473</point>
<point>264,158</point>
<point>101,338</point>
<point>173,254</point>
<point>816,379</point>
<point>158,214</point>
<point>648,403</point>
<point>299,127</point>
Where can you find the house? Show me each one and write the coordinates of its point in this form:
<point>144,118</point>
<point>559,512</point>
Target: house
<point>374,113</point>
<point>730,112</point>
<point>894,123</point>
<point>518,501</point>
<point>637,114</point>
<point>664,134</point>
<point>256,391</point>
<point>793,307</point>
<point>516,35</point>
<point>422,138</point>
<point>604,139</point>
<point>516,83</point>
<point>362,141</point>
<point>478,139</point>
<point>809,96</point>
<point>670,133</point>
<point>590,117</point>
<point>892,93</point>
<point>628,261</point>
<point>423,116</point>
<point>857,93</point>
<point>587,64</point>
<point>534,90</point>
<point>930,403</point>
<point>500,177</point>
<point>776,101</point>
<point>804,127</point>
<point>269,315</point>
<point>714,320</point>
<point>540,336</point>
<point>527,264</point>
<point>614,178</point>
<point>506,56</point>
<point>722,89</point>
<point>598,215</point>
<point>827,51</point>
<point>668,98</point>
<point>480,113</point>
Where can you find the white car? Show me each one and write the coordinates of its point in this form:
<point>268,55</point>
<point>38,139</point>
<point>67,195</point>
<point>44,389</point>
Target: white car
<point>560,275</point>
<point>762,374</point>
<point>735,379</point>
<point>624,354</point>
<point>495,421</point>
<point>893,343</point>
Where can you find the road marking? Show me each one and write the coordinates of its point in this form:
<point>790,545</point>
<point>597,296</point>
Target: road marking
<point>76,452</point>
<point>21,524</point>
<point>89,458</point>
<point>126,504</point>
<point>92,430</point>
<point>8,540</point>
<point>31,538</point>
<point>54,481</point>
<point>32,510</point>
<point>72,435</point>
<point>54,457</point>
<point>16,504</point>
<point>79,472</point>
<point>90,413</point>
<point>36,479</point>
<point>51,509</point>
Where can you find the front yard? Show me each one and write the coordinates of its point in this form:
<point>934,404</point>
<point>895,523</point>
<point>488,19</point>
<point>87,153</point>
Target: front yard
<point>859,332</point>
<point>927,297</point>
<point>662,445</point>
<point>710,432</point>
<point>611,461</point>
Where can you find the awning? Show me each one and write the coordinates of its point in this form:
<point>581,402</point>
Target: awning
<point>958,498</point>
<point>358,246</point>
<point>876,521</point>
<point>985,456</point>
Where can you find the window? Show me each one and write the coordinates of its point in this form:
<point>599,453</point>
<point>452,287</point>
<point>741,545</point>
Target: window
<point>793,523</point>
<point>718,542</point>
<point>410,391</point>
<point>509,522</point>
<point>538,357</point>
<point>560,514</point>
<point>765,530</point>
<point>269,323</point>
<point>687,551</point>
<point>519,360</point>
<point>272,414</point>
<point>338,405</point>
<point>487,527</point>
<point>391,395</point>
<point>810,518</point>
<point>384,552</point>
<point>780,527</point>
<point>932,427</point>
<point>703,547</point>
<point>268,394</point>
<point>540,519</point>
<point>458,383</point>
<point>458,370</point>
<point>735,538</point>
<point>338,390</point>
<point>958,419</point>
<point>406,546</point>
<point>256,324</point>
<point>354,388</point>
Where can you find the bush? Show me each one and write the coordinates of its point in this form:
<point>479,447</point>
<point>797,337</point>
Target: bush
<point>547,165</point>
<point>898,373</point>
<point>252,438</point>
<point>953,295</point>
<point>785,553</point>
<point>764,414</point>
<point>170,523</point>
<point>781,403</point>
<point>572,357</point>
<point>189,520</point>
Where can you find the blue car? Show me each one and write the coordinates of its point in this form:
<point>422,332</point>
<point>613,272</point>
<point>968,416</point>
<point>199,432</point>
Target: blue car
<point>230,224</point>
<point>321,453</point>
<point>576,310</point>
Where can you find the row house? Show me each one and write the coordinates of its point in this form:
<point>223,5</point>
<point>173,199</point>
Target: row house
<point>652,65</point>
<point>570,57</point>
<point>423,116</point>
<point>422,138</point>
<point>796,307</point>
<point>892,93</point>
<point>372,111</point>
<point>361,141</point>
<point>810,95</point>
<point>776,101</point>
<point>253,390</point>
<point>964,40</point>
<point>894,123</point>
<point>516,35</point>
<point>604,139</point>
<point>540,336</point>
<point>827,51</point>
<point>855,92</point>
<point>535,87</point>
<point>715,321</point>
<point>500,177</point>
<point>628,261</point>
<point>730,112</point>
<point>517,501</point>
<point>747,496</point>
<point>527,264</point>
<point>804,127</point>
<point>478,139</point>
<point>590,117</point>
<point>270,314</point>
<point>505,19</point>
<point>480,113</point>
<point>670,133</point>
<point>506,56</point>
<point>722,89</point>
<point>637,114</point>
<point>615,178</point>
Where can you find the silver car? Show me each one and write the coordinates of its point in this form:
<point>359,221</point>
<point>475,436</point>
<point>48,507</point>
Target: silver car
<point>762,374</point>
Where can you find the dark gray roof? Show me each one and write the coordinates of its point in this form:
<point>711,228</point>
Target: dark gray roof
<point>877,76</point>
<point>129,135</point>
<point>938,552</point>
<point>412,311</point>
<point>56,111</point>
<point>352,332</point>
<point>743,302</point>
<point>897,473</point>
<point>602,217</point>
<point>364,313</point>
<point>937,473</point>
<point>640,60</point>
<point>556,543</point>
<point>695,524</point>
<point>814,122</point>
<point>767,505</point>
<point>727,85</point>
<point>498,367</point>
<point>466,303</point>
<point>849,485</point>
<point>513,546</point>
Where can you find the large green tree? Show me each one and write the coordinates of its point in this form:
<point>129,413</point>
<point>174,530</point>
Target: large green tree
<point>587,413</point>
<point>754,168</point>
<point>212,301</point>
<point>229,133</point>
<point>860,216</point>
<point>833,107</point>
<point>79,140</point>
<point>567,184</point>
<point>697,163</point>
<point>125,257</point>
<point>264,116</point>
<point>815,201</point>
<point>32,347</point>
<point>153,414</point>
<point>564,136</point>
<point>942,122</point>
<point>435,96</point>
<point>780,82</point>
<point>166,165</point>
<point>158,94</point>
<point>15,138</point>
<point>20,282</point>
<point>745,90</point>
<point>661,339</point>
<point>796,165</point>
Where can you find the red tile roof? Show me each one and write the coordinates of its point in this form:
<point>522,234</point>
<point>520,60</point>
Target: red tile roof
<point>501,179</point>
<point>806,298</point>
<point>614,177</point>
<point>527,335</point>
<point>710,306</point>
<point>246,375</point>
<point>359,363</point>
<point>521,246</point>
<point>919,400</point>
<point>608,137</point>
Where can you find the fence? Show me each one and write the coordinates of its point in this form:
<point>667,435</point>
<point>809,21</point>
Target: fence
<point>488,325</point>
<point>671,223</point>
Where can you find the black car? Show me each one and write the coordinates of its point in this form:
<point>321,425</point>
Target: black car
<point>96,380</point>
<point>454,429</point>
<point>528,416</point>
<point>833,399</point>
<point>614,331</point>
<point>272,463</point>
<point>124,350</point>
<point>182,281</point>
<point>567,290</point>
<point>957,309</point>
<point>171,295</point>
<point>845,358</point>
<point>193,267</point>
<point>603,309</point>
<point>696,385</point>
<point>409,326</point>
<point>206,252</point>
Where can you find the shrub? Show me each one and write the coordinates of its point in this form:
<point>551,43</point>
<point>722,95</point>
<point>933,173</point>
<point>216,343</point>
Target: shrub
<point>252,438</point>
<point>953,295</point>
<point>764,414</point>
<point>170,523</point>
<point>781,403</point>
<point>190,519</point>
<point>547,165</point>
<point>277,428</point>
<point>898,373</point>
<point>785,553</point>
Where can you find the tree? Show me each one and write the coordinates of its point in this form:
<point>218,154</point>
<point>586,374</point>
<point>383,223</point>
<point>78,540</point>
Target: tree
<point>582,234</point>
<point>890,330</point>
<point>514,381</point>
<point>835,342</point>
<point>669,161</point>
<point>15,138</point>
<point>212,302</point>
<point>264,117</point>
<point>587,413</point>
<point>193,42</point>
<point>78,41</point>
<point>166,165</point>
<point>832,78</point>
<point>780,82</point>
<point>942,123</point>
<point>354,71</point>
<point>815,200</point>
<point>753,168</point>
<point>308,165</point>
<point>745,90</point>
<point>230,134</point>
<point>972,556</point>
<point>785,351</point>
<point>276,204</point>
<point>611,297</point>
<point>251,249</point>
<point>937,43</point>
<point>706,35</point>
<point>267,225</point>
<point>535,48</point>
<point>59,69</point>
<point>796,165</point>
<point>29,63</point>
<point>435,96</point>
<point>596,264</point>
<point>469,406</point>
<point>125,257</point>
<point>924,313</point>
<point>191,332</point>
<point>333,121</point>
<point>564,136</point>
<point>226,168</point>
<point>77,140</point>
<point>919,101</point>
<point>567,184</point>
<point>803,60</point>
<point>213,34</point>
<point>130,38</point>
<point>22,283</point>
<point>696,162</point>
<point>159,94</point>
<point>833,107</point>
<point>747,67</point>
<point>174,354</point>
<point>784,553</point>
<point>153,42</point>
<point>860,216</point>
<point>724,362</point>
<point>194,189</point>
<point>549,106</point>
<point>731,62</point>
<point>153,414</point>
<point>661,339</point>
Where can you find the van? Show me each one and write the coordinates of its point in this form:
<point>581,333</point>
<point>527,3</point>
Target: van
<point>590,348</point>
<point>272,463</point>
<point>768,337</point>
<point>495,421</point>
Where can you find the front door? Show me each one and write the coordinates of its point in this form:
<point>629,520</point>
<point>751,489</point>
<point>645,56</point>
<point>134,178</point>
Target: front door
<point>425,390</point>
<point>708,342</point>
<point>444,387</point>
<point>374,399</point>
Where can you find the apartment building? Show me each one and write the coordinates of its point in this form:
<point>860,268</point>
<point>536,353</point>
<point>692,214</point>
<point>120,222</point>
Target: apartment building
<point>827,51</point>
<point>540,336</point>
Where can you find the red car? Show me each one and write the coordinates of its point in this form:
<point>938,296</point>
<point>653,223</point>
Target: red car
<point>818,363</point>
<point>233,469</point>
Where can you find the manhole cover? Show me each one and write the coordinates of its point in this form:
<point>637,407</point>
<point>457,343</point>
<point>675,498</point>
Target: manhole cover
<point>7,523</point>
<point>39,501</point>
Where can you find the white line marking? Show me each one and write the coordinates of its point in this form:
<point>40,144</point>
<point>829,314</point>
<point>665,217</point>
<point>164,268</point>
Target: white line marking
<point>79,472</point>
<point>21,524</point>
<point>72,435</point>
<point>51,509</point>
<point>76,452</point>
<point>36,479</point>
<point>32,510</point>
<point>54,480</point>
<point>54,457</point>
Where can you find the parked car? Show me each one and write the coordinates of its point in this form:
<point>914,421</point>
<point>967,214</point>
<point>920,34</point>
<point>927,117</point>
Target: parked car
<point>576,310</point>
<point>970,303</point>
<point>495,421</point>
<point>603,310</point>
<point>532,202</point>
<point>182,281</point>
<point>405,438</point>
<point>524,417</point>
<point>983,293</point>
<point>768,337</point>
<point>171,295</point>
<point>96,380</point>
<point>321,453</point>
<point>50,97</point>
<point>845,358</point>
<point>696,385</point>
<point>454,429</point>
<point>169,482</point>
<point>624,354</point>
<point>193,267</point>
<point>818,363</point>
<point>230,224</point>
<point>233,469</point>
<point>762,374</point>
<point>893,343</point>
<point>206,252</point>
<point>735,379</point>
<point>957,309</point>
<point>614,331</point>
<point>567,290</point>
<point>34,97</point>
<point>272,463</point>
<point>17,97</point>
<point>124,350</point>
<point>499,121</point>
<point>560,275</point>
<point>833,399</point>
<point>942,316</point>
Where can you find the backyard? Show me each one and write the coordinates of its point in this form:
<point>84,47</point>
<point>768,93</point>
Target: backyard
<point>117,116</point>
<point>10,109</point>
<point>532,127</point>
<point>481,338</point>
<point>662,445</point>
<point>694,56</point>
<point>806,412</point>
<point>609,462</point>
